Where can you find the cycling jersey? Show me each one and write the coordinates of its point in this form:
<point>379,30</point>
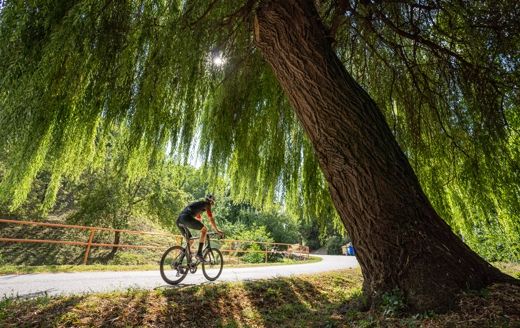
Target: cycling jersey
<point>194,209</point>
<point>189,216</point>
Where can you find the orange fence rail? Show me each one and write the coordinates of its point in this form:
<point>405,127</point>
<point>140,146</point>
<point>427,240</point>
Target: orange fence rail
<point>88,244</point>
<point>291,249</point>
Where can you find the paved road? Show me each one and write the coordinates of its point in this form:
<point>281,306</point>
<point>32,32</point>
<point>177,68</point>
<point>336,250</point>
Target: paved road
<point>29,285</point>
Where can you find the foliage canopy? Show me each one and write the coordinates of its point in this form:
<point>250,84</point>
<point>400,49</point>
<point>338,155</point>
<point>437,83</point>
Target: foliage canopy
<point>445,74</point>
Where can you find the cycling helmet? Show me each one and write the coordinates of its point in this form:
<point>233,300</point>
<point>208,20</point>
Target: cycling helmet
<point>210,197</point>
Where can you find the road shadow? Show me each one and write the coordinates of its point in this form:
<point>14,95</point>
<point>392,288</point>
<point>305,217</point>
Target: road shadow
<point>290,302</point>
<point>284,302</point>
<point>260,303</point>
<point>37,312</point>
<point>181,285</point>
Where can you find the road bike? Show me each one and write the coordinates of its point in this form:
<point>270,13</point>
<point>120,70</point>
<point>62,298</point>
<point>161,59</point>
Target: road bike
<point>177,261</point>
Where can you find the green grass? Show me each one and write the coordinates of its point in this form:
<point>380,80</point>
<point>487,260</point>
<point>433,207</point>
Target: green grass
<point>21,269</point>
<point>324,300</point>
<point>29,254</point>
<point>512,269</point>
<point>311,259</point>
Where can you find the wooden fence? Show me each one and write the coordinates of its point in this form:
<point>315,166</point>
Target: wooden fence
<point>232,246</point>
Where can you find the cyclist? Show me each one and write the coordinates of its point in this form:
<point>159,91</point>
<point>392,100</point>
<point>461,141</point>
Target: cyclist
<point>190,218</point>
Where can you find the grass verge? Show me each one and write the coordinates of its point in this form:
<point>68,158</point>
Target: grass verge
<point>305,301</point>
<point>512,269</point>
<point>21,269</point>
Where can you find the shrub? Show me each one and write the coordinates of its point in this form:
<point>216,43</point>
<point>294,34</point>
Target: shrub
<point>122,258</point>
<point>255,233</point>
<point>254,257</point>
<point>334,244</point>
<point>393,303</point>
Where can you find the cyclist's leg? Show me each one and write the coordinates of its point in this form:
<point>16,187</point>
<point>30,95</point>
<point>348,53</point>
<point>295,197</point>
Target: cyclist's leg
<point>192,223</point>
<point>203,233</point>
<point>185,232</point>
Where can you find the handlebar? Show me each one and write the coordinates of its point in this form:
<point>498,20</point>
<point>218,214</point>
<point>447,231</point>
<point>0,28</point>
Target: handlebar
<point>213,234</point>
<point>210,234</point>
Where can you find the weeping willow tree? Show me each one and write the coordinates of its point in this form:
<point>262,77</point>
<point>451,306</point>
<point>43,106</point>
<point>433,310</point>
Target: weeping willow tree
<point>274,96</point>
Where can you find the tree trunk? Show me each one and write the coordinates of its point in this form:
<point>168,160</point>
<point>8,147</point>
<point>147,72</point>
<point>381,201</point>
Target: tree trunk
<point>117,240</point>
<point>401,242</point>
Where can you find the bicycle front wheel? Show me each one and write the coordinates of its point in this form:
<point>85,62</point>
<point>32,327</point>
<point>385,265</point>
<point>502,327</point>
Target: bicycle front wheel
<point>212,268</point>
<point>174,265</point>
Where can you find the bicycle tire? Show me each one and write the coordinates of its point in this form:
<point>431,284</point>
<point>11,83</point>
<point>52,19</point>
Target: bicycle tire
<point>215,261</point>
<point>165,267</point>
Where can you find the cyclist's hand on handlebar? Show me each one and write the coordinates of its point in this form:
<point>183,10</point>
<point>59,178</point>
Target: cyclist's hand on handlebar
<point>220,234</point>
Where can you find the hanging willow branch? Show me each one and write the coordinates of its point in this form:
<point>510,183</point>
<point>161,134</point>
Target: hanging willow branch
<point>76,74</point>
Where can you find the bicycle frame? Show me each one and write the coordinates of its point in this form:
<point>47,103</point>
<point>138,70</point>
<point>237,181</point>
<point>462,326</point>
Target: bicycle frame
<point>207,244</point>
<point>183,263</point>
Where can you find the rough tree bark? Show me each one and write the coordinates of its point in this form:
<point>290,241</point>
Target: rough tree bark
<point>401,242</point>
<point>117,240</point>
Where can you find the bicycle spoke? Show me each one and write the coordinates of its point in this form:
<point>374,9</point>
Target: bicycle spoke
<point>174,265</point>
<point>213,267</point>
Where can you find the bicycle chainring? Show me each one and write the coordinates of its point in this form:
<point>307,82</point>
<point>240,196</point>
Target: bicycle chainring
<point>193,268</point>
<point>181,270</point>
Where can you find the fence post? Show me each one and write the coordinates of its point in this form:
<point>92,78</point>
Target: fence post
<point>88,246</point>
<point>237,252</point>
<point>265,253</point>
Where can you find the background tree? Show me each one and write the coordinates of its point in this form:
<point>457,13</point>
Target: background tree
<point>443,75</point>
<point>283,228</point>
<point>106,195</point>
<point>108,201</point>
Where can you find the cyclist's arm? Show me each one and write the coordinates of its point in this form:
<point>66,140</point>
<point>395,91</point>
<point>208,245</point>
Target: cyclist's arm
<point>212,220</point>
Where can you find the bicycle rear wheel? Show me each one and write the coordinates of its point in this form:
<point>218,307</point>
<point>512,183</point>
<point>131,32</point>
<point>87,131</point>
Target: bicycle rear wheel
<point>212,268</point>
<point>174,265</point>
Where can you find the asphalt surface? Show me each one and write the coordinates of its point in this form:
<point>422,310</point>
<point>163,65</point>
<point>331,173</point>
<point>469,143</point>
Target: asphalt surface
<point>30,285</point>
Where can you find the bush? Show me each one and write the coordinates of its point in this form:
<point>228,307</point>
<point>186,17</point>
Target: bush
<point>334,244</point>
<point>122,258</point>
<point>254,257</point>
<point>275,257</point>
<point>393,303</point>
<point>255,233</point>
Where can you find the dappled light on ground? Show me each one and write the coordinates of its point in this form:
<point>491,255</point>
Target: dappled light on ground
<point>324,300</point>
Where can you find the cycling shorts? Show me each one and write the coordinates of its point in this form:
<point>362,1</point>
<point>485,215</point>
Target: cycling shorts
<point>186,221</point>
